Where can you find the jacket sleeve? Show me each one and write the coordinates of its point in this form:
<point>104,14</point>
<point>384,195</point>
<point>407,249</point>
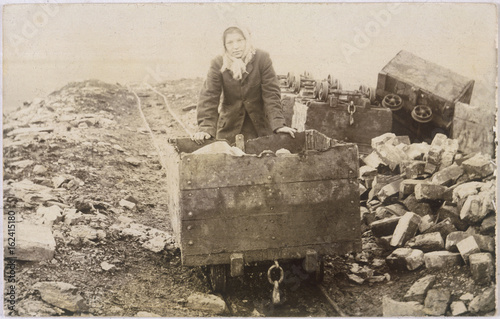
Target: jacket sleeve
<point>208,102</point>
<point>271,94</point>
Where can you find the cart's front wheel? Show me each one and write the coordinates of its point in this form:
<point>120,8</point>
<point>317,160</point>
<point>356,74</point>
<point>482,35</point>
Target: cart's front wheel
<point>218,277</point>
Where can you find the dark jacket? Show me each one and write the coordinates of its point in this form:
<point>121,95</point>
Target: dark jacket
<point>257,93</point>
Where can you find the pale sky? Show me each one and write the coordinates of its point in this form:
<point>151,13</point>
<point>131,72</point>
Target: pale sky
<point>44,47</point>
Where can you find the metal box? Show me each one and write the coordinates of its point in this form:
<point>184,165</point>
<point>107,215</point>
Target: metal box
<point>262,205</point>
<point>420,82</point>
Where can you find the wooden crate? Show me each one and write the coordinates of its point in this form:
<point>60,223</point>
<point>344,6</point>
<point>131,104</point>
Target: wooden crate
<point>268,207</point>
<point>418,82</point>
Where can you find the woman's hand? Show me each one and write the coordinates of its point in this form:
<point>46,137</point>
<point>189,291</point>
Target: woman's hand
<point>287,130</point>
<point>200,137</point>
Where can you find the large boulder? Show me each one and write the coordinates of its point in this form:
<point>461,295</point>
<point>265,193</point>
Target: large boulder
<point>61,295</point>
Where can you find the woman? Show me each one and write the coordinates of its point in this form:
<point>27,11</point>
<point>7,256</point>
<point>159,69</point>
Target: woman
<point>251,95</point>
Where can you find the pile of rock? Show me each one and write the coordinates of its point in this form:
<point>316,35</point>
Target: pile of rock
<point>421,300</point>
<point>53,216</point>
<point>431,205</point>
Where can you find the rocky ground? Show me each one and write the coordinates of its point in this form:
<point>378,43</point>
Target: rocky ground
<point>85,193</point>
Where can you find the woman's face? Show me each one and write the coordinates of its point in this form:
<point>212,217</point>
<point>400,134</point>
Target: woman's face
<point>235,44</point>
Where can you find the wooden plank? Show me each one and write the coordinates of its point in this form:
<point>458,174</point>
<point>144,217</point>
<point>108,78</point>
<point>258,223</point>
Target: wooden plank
<point>297,252</point>
<point>222,170</point>
<point>473,129</point>
<point>271,231</point>
<point>334,123</point>
<point>299,116</point>
<point>237,201</point>
<point>170,161</point>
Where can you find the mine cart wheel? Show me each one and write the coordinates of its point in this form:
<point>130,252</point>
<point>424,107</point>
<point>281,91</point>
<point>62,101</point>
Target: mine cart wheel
<point>393,102</point>
<point>422,114</point>
<point>218,277</point>
<point>371,95</point>
<point>323,91</point>
<point>316,89</point>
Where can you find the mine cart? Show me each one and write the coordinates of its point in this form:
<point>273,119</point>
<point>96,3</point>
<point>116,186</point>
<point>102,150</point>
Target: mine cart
<point>421,94</point>
<point>267,205</point>
<point>346,117</point>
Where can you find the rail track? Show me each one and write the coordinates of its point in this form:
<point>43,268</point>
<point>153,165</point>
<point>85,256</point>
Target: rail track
<point>250,294</point>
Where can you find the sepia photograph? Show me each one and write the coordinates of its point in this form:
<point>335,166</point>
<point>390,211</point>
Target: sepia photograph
<point>231,159</point>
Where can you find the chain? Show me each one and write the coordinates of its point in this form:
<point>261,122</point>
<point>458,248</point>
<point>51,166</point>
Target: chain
<point>276,293</point>
<point>351,109</point>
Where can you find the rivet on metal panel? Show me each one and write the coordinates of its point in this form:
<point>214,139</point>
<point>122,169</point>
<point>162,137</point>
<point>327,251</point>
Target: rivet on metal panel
<point>190,242</point>
<point>190,214</point>
<point>190,227</point>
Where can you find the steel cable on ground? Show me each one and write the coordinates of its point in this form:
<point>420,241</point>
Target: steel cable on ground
<point>188,131</point>
<point>155,142</point>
